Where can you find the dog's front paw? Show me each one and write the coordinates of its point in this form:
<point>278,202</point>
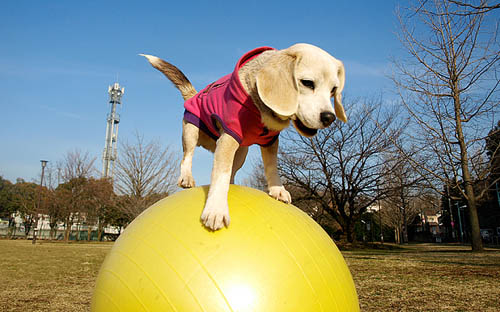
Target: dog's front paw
<point>186,181</point>
<point>279,193</point>
<point>215,216</point>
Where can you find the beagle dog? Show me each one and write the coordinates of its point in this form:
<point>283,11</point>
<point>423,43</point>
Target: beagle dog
<point>267,90</point>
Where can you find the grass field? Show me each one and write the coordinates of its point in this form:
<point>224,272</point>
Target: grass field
<point>60,277</point>
<point>48,276</point>
<point>426,278</point>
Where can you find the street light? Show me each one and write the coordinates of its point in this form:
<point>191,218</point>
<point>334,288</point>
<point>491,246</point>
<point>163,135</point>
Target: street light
<point>452,222</point>
<point>459,208</point>
<point>44,163</point>
<point>363,229</point>
<point>380,215</point>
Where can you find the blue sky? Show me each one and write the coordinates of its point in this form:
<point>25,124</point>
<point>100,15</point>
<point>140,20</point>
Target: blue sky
<point>57,59</point>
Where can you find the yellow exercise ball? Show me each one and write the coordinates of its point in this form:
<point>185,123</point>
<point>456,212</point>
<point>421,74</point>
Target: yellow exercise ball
<point>272,257</point>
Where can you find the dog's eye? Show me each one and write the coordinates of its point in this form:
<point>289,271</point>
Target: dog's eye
<point>308,83</point>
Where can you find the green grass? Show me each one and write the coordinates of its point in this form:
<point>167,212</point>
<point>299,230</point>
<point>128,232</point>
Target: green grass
<point>61,277</point>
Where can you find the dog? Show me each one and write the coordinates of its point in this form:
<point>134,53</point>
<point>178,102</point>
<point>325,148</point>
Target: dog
<point>267,90</point>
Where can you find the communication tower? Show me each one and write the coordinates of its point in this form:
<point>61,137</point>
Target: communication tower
<point>109,154</point>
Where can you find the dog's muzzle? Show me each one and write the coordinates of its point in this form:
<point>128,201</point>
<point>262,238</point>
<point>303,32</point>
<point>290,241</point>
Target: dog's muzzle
<point>327,118</point>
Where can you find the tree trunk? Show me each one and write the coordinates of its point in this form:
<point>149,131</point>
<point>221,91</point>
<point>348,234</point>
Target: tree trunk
<point>67,231</point>
<point>77,238</point>
<point>89,233</point>
<point>100,230</point>
<point>12,227</point>
<point>99,234</point>
<point>53,230</point>
<point>27,227</point>
<point>476,241</point>
<point>349,232</point>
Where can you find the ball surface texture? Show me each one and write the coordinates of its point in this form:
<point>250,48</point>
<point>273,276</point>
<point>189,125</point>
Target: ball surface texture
<point>272,257</point>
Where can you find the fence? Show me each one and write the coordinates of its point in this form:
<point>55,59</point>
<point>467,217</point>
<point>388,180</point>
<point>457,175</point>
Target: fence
<point>76,233</point>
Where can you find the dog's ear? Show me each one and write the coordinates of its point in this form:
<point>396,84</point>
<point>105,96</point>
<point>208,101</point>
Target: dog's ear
<point>337,97</point>
<point>276,84</point>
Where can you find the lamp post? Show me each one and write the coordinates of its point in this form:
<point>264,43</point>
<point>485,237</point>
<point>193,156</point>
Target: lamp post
<point>459,208</point>
<point>380,221</point>
<point>363,229</point>
<point>452,223</point>
<point>380,216</point>
<point>44,163</point>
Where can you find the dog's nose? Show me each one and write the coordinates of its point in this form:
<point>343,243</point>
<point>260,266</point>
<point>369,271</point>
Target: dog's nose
<point>327,118</point>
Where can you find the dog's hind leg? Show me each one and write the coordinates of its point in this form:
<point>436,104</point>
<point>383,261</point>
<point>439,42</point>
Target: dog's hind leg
<point>190,134</point>
<point>239,160</point>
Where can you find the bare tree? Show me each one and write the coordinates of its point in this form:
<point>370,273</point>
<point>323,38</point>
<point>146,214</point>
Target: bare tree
<point>449,85</point>
<point>49,202</point>
<point>470,8</point>
<point>402,187</point>
<point>394,215</point>
<point>54,210</point>
<point>146,172</point>
<point>338,171</point>
<point>257,178</point>
<point>77,164</point>
<point>101,203</point>
<point>71,201</point>
<point>70,204</point>
<point>463,8</point>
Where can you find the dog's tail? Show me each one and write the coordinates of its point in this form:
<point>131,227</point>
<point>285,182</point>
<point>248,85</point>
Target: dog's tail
<point>173,74</point>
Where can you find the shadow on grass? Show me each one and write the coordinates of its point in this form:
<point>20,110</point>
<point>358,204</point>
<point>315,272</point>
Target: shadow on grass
<point>466,262</point>
<point>360,246</point>
<point>427,254</point>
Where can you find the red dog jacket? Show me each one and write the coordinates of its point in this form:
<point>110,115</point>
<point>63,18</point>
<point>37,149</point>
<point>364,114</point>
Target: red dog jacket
<point>228,103</point>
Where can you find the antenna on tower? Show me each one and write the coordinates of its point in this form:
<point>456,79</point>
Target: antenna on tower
<point>109,154</point>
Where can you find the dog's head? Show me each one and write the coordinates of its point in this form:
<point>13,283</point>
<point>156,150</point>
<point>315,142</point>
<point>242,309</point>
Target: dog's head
<point>298,83</point>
